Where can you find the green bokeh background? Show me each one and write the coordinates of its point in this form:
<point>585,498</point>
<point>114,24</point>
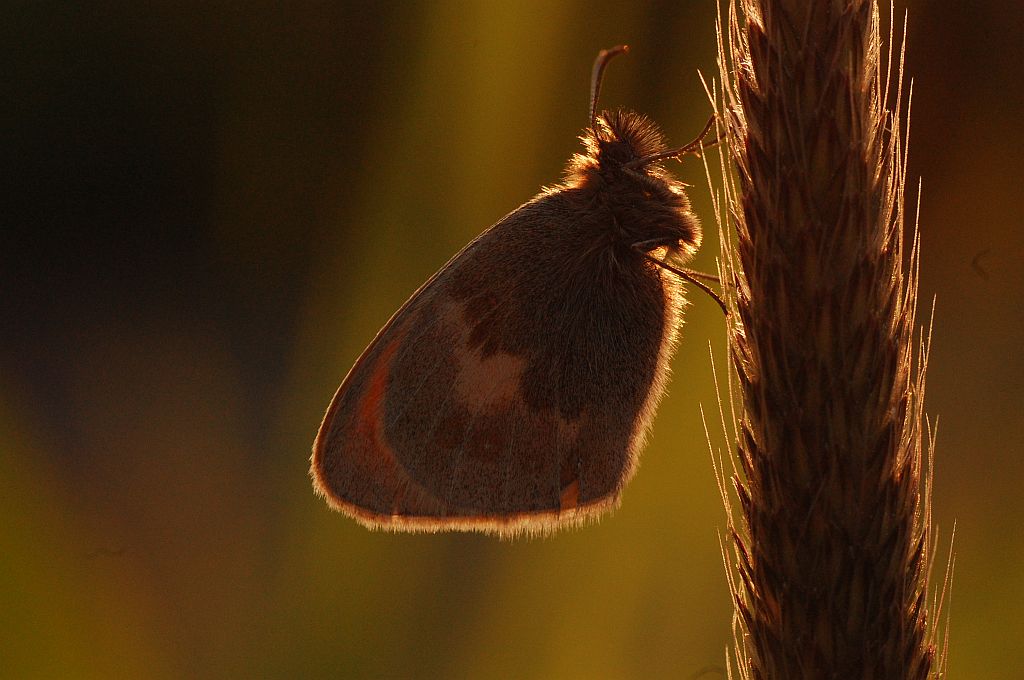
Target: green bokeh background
<point>210,210</point>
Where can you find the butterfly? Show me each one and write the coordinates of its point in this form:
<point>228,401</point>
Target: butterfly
<point>513,391</point>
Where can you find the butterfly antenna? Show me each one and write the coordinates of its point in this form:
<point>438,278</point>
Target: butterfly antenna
<point>597,75</point>
<point>693,147</point>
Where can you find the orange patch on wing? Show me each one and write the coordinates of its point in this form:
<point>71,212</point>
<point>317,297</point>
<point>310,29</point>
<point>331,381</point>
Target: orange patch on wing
<point>570,497</point>
<point>368,413</point>
<point>378,461</point>
<point>399,500</point>
<point>483,381</point>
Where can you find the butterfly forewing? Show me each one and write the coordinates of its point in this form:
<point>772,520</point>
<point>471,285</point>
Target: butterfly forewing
<point>511,391</point>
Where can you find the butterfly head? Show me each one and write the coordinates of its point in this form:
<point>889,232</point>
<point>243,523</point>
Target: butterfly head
<point>643,202</point>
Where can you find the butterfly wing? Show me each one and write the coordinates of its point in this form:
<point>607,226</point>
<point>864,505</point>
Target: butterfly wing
<point>511,392</point>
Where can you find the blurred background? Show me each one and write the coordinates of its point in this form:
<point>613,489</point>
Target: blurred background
<point>209,211</point>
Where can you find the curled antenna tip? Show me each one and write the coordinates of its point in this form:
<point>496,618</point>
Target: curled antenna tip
<point>603,57</point>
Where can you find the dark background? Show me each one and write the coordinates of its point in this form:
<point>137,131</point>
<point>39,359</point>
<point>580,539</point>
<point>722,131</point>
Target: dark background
<point>207,213</point>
